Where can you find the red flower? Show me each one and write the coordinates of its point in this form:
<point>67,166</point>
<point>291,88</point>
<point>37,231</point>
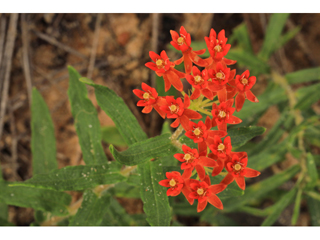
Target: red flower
<point>218,79</point>
<point>182,43</point>
<point>200,132</point>
<point>220,149</point>
<point>205,192</point>
<point>199,80</point>
<point>149,100</point>
<point>176,185</point>
<point>222,114</point>
<point>191,159</point>
<point>218,49</point>
<point>164,68</point>
<point>242,85</point>
<point>237,170</point>
<point>179,110</point>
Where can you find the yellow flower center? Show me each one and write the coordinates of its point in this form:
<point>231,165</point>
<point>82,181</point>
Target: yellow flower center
<point>217,48</point>
<point>187,157</point>
<point>200,191</point>
<point>146,96</point>
<point>237,167</point>
<point>217,40</point>
<point>222,114</point>
<point>198,79</point>
<point>172,182</point>
<point>173,108</point>
<point>244,81</point>
<point>220,75</point>
<point>197,132</point>
<point>221,147</point>
<point>180,40</point>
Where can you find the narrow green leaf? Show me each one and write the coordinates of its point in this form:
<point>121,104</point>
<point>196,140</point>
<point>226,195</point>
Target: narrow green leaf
<point>287,37</point>
<point>74,178</point>
<point>244,58</point>
<point>125,190</point>
<point>92,209</point>
<point>36,198</point>
<point>273,95</point>
<point>116,216</point>
<point>153,195</point>
<point>314,195</point>
<point>118,111</point>
<point>166,128</point>
<point>311,135</point>
<point>260,189</point>
<point>86,120</point>
<point>307,96</point>
<point>279,207</point>
<point>3,206</point>
<point>305,75</point>
<point>111,135</point>
<point>296,209</point>
<point>242,35</point>
<point>268,157</point>
<point>314,210</point>
<point>273,34</point>
<point>159,146</point>
<point>239,136</point>
<point>312,171</point>
<point>43,142</point>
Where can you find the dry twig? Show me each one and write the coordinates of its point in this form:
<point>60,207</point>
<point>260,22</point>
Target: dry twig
<point>12,31</point>
<point>94,46</point>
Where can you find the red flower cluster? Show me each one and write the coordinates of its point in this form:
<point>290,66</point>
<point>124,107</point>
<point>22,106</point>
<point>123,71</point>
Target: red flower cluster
<point>213,154</point>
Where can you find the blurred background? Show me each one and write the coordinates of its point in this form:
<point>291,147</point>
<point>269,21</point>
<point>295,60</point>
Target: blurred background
<point>111,49</point>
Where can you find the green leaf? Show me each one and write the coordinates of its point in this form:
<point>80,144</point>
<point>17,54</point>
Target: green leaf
<point>74,178</point>
<point>111,135</point>
<point>305,75</point>
<point>143,151</point>
<point>287,37</point>
<point>268,156</point>
<point>239,136</point>
<point>153,195</point>
<point>116,216</point>
<point>3,206</point>
<point>125,190</point>
<point>36,198</point>
<point>86,120</point>
<point>296,209</point>
<point>311,135</point>
<point>166,128</point>
<point>260,189</point>
<point>274,29</point>
<point>307,96</point>
<point>249,60</point>
<point>273,95</point>
<point>118,111</point>
<point>43,142</point>
<point>279,207</point>
<point>92,209</point>
<point>242,35</point>
<point>312,171</point>
<point>314,210</point>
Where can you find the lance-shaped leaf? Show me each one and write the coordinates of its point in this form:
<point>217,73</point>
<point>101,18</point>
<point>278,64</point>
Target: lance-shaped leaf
<point>92,209</point>
<point>312,171</point>
<point>118,111</point>
<point>242,35</point>
<point>116,215</point>
<point>305,75</point>
<point>86,120</point>
<point>143,151</point>
<point>43,143</point>
<point>273,34</point>
<point>111,135</point>
<point>307,96</point>
<point>279,207</point>
<point>239,136</point>
<point>36,198</point>
<point>75,178</point>
<point>314,210</point>
<point>260,189</point>
<point>153,195</point>
<point>3,206</point>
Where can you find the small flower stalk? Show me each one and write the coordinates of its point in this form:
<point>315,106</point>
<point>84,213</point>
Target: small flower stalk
<point>213,84</point>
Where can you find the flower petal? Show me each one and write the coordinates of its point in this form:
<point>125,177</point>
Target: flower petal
<point>251,97</point>
<point>201,206</point>
<point>201,172</point>
<point>191,114</point>
<point>215,201</point>
<point>227,179</point>
<point>241,182</point>
<point>217,188</point>
<point>240,98</point>
<point>250,173</point>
